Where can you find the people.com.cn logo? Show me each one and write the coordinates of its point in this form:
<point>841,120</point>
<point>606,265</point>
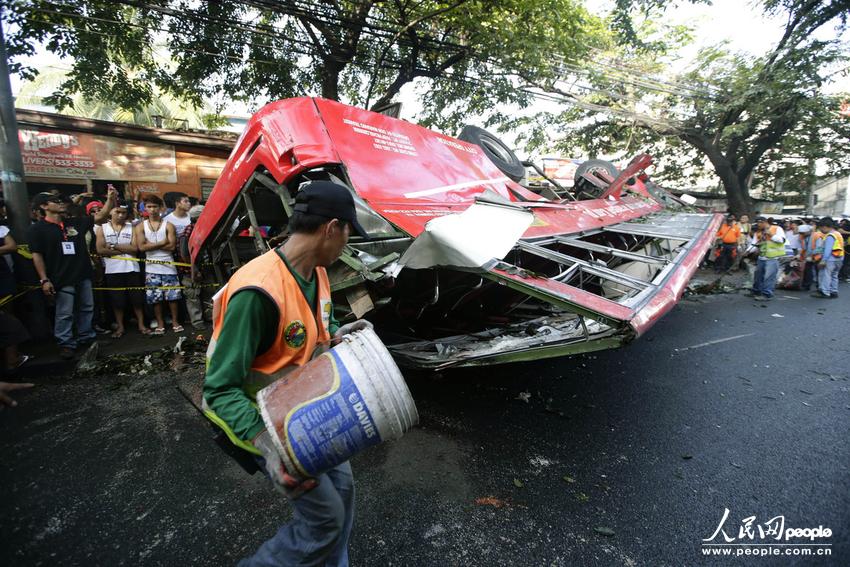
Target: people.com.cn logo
<point>769,532</point>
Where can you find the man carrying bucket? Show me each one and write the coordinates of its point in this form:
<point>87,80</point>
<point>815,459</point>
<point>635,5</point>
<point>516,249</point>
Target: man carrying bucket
<point>269,319</point>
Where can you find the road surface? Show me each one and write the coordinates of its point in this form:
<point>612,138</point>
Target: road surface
<point>626,457</point>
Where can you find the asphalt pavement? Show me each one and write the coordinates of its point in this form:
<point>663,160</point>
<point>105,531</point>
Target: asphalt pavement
<point>625,457</point>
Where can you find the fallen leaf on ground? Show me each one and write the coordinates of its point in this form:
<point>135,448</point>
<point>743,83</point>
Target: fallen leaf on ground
<point>518,483</point>
<point>582,497</point>
<point>569,479</point>
<point>604,531</point>
<point>490,501</point>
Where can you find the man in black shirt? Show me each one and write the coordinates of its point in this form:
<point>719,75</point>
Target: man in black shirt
<point>61,259</point>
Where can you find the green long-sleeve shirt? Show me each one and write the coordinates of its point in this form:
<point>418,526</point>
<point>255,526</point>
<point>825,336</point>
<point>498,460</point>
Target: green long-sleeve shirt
<point>249,329</point>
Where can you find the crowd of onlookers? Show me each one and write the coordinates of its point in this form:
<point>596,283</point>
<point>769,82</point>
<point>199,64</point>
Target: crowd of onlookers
<point>102,264</point>
<point>793,254</point>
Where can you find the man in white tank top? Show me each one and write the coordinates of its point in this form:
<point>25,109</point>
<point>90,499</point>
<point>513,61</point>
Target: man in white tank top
<point>158,239</point>
<point>179,217</point>
<point>115,240</point>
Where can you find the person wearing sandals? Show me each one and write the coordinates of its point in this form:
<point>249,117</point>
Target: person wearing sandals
<point>116,240</point>
<point>157,238</point>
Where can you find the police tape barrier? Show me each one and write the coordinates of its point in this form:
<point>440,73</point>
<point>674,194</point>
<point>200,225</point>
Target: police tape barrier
<point>24,250</point>
<point>145,260</point>
<point>10,298</point>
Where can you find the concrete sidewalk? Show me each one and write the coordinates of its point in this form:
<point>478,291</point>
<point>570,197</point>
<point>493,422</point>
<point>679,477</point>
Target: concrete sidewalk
<point>45,362</point>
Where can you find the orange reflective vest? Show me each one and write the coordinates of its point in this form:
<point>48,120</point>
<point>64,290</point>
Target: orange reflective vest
<point>729,234</point>
<point>299,329</point>
<point>816,246</point>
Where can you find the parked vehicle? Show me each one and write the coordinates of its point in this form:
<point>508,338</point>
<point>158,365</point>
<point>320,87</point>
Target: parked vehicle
<point>463,265</point>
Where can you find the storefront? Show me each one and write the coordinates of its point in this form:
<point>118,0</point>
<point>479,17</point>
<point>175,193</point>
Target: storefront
<point>77,155</point>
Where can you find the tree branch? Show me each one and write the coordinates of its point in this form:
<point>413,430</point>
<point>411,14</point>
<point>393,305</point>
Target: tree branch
<point>404,30</point>
<point>769,138</point>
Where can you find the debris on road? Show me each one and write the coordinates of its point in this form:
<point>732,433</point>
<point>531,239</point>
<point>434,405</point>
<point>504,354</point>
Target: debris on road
<point>89,359</point>
<point>491,501</point>
<point>186,351</point>
<point>604,531</point>
<point>714,287</point>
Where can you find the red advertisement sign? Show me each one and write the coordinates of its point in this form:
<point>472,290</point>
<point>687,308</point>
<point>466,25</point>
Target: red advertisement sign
<point>53,153</point>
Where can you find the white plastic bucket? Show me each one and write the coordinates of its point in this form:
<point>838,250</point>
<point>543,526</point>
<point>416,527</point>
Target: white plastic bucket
<point>343,401</point>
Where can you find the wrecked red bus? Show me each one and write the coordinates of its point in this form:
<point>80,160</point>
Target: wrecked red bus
<point>463,265</point>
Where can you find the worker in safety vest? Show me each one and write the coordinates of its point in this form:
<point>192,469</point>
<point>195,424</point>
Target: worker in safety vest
<point>832,260</point>
<point>810,255</point>
<point>270,318</point>
<point>843,227</point>
<point>770,240</point>
<point>727,244</point>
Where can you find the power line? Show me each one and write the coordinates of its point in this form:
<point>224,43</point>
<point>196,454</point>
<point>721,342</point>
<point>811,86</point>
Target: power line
<point>643,82</point>
<point>243,59</point>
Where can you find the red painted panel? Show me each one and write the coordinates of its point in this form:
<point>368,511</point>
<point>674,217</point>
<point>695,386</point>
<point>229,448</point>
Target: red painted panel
<point>590,301</point>
<point>284,137</point>
<point>407,173</point>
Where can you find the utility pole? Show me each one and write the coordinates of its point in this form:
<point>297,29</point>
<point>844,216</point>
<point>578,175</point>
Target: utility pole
<point>810,187</point>
<point>11,164</point>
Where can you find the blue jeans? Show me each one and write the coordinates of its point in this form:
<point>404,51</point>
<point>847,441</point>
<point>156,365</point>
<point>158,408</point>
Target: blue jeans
<point>320,528</point>
<point>828,276</point>
<point>765,278</point>
<point>74,306</point>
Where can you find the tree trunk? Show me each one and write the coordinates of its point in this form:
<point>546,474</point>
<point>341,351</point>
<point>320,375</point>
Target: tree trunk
<point>330,79</point>
<point>737,196</point>
<point>737,192</point>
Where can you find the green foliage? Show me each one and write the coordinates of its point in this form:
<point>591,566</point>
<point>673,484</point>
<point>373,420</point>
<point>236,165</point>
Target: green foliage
<point>752,121</point>
<point>163,109</point>
<point>466,56</point>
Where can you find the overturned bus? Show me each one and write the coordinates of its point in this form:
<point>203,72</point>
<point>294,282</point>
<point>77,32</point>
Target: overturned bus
<point>463,264</point>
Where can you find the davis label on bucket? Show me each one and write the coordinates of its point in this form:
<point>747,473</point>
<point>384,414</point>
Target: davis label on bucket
<point>330,429</point>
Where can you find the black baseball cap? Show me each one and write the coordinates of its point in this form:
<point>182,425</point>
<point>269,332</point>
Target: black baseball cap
<point>44,198</point>
<point>329,200</point>
<point>761,218</point>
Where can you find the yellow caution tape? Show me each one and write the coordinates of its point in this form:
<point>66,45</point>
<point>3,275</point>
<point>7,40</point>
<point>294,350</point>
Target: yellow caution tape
<point>10,298</point>
<point>24,250</point>
<point>145,260</point>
